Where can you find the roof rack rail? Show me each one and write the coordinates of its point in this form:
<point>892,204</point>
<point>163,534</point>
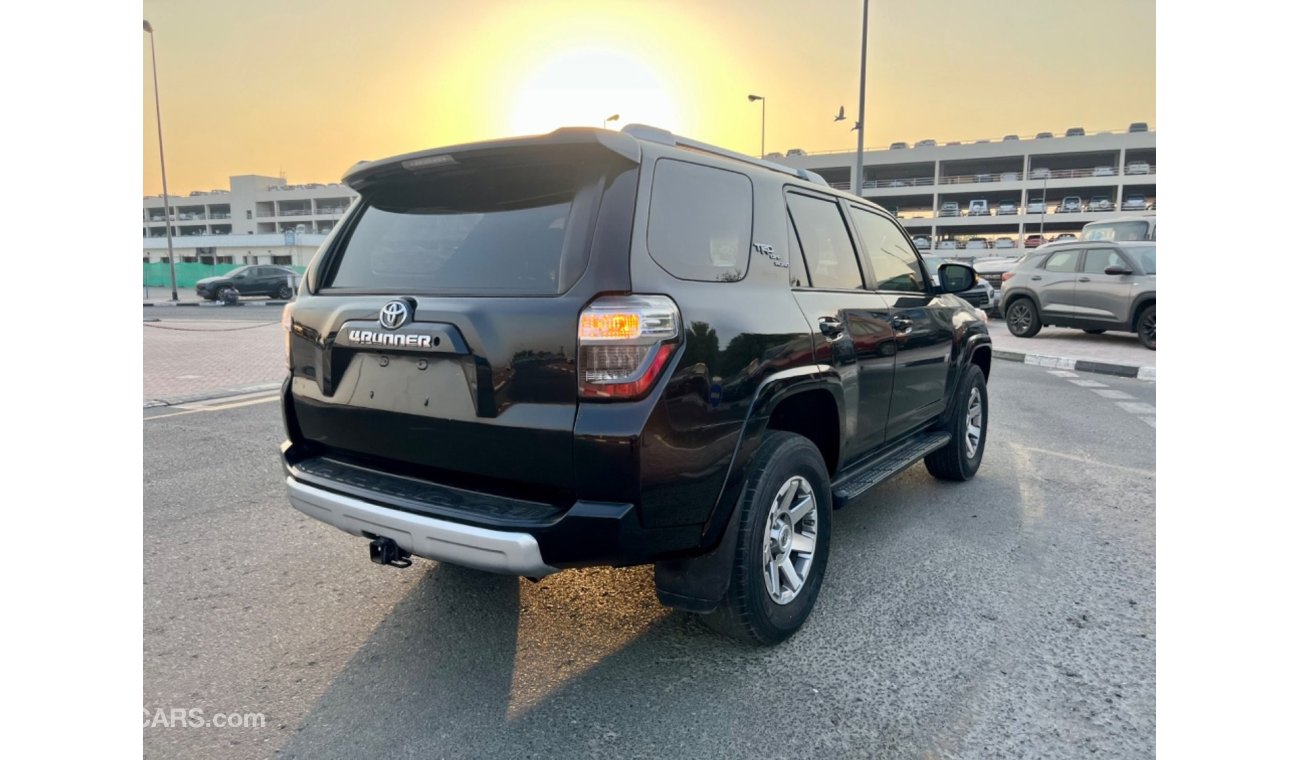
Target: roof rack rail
<point>664,137</point>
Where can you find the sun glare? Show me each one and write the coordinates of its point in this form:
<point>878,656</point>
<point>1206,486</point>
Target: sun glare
<point>581,87</point>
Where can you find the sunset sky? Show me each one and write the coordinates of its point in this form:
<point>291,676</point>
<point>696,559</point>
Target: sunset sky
<point>308,87</point>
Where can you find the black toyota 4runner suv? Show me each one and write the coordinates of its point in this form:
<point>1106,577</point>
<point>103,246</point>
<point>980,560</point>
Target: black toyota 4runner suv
<point>616,348</point>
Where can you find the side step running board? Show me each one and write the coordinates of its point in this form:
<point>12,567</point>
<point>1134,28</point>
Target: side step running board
<point>861,478</point>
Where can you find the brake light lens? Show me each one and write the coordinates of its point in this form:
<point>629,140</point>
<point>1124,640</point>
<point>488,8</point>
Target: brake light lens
<point>624,344</point>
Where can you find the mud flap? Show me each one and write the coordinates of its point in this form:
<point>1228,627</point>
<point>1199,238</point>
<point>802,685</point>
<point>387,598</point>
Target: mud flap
<point>698,584</point>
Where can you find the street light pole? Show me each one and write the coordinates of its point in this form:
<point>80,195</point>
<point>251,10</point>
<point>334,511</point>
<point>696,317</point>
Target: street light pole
<point>855,175</point>
<point>162,163</point>
<point>762,144</point>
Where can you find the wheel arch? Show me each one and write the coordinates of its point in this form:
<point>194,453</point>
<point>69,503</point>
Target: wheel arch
<point>1138,306</point>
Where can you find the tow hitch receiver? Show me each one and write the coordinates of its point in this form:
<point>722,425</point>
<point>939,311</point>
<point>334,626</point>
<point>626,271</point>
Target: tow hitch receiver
<point>385,551</point>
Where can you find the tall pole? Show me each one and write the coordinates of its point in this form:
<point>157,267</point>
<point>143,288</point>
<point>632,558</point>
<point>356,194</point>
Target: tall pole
<point>162,163</point>
<point>856,174</point>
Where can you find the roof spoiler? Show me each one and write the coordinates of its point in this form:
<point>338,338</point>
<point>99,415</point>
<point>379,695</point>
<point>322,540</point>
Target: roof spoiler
<point>664,137</point>
<point>364,173</point>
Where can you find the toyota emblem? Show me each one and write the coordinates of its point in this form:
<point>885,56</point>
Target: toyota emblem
<point>394,315</point>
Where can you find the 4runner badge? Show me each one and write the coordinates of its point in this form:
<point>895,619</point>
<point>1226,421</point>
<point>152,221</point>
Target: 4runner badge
<point>394,314</point>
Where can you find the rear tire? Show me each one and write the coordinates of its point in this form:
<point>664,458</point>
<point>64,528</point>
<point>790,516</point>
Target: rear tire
<point>961,458</point>
<point>773,540</point>
<point>284,293</point>
<point>1022,318</point>
<point>1146,327</point>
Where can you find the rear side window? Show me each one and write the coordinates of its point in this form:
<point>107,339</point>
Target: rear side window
<point>827,248</point>
<point>701,221</point>
<point>798,270</point>
<point>1062,261</point>
<point>489,231</point>
<point>893,263</point>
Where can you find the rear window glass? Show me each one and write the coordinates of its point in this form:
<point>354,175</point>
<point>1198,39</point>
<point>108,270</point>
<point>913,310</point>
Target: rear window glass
<point>499,230</point>
<point>701,220</point>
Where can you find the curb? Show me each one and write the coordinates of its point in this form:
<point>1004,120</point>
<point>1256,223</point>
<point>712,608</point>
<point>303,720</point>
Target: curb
<point>209,395</point>
<point>1078,365</point>
<point>210,304</point>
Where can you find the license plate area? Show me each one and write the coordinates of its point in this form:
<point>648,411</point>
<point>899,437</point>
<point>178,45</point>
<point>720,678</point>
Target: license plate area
<point>428,386</point>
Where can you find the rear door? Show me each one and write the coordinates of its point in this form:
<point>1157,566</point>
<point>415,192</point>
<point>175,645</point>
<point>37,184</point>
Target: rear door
<point>441,333</point>
<point>851,330</point>
<point>921,321</point>
<point>1053,281</point>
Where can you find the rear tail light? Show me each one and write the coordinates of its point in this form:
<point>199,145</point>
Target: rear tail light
<point>624,343</point>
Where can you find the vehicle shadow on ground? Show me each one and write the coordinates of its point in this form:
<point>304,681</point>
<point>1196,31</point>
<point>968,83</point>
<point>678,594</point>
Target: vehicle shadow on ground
<point>586,662</point>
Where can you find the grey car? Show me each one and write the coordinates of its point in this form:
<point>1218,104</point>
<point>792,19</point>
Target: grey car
<point>1091,285</point>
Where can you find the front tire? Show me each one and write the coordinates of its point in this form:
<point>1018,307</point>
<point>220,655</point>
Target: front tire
<point>1022,318</point>
<point>782,544</point>
<point>1146,327</point>
<point>960,459</point>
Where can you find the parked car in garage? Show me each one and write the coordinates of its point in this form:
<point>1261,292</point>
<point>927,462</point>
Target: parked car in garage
<point>950,208</point>
<point>1010,138</point>
<point>1100,203</point>
<point>1043,136</point>
<point>1070,204</point>
<point>1036,206</point>
<point>1004,242</point>
<point>1033,241</point>
<point>1074,132</point>
<point>922,242</point>
<point>925,144</point>
<point>1137,167</point>
<point>977,244</point>
<point>978,207</point>
<point>1008,208</point>
<point>946,245</point>
<point>898,146</point>
<point>1095,286</point>
<point>1133,203</point>
<point>1040,173</point>
<point>1138,126</point>
<point>1103,171</point>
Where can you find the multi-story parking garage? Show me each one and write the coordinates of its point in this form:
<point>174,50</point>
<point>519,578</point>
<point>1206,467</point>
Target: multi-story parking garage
<point>259,220</point>
<point>1023,183</point>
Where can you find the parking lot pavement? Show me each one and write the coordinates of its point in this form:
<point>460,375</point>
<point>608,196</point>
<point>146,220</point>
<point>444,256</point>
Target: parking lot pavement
<point>1116,348</point>
<point>1010,616</point>
<point>185,358</point>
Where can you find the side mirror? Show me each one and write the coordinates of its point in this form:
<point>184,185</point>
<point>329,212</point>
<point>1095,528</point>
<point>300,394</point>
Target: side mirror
<point>956,278</point>
<point>1118,269</point>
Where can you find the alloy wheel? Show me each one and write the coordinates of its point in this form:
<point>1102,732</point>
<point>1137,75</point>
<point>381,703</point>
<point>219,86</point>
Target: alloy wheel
<point>790,540</point>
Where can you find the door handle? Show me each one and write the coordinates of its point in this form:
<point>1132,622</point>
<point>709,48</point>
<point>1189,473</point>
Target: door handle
<point>1036,277</point>
<point>830,327</point>
<point>1085,279</point>
<point>901,323</point>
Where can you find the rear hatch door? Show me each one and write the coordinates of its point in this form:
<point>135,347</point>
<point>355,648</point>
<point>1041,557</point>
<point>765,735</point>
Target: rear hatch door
<point>440,338</point>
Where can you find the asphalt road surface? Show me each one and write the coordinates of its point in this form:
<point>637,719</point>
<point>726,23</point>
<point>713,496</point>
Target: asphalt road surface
<point>1011,616</point>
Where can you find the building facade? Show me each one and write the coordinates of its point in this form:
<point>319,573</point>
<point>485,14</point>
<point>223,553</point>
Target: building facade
<point>259,220</point>
<point>1011,188</point>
